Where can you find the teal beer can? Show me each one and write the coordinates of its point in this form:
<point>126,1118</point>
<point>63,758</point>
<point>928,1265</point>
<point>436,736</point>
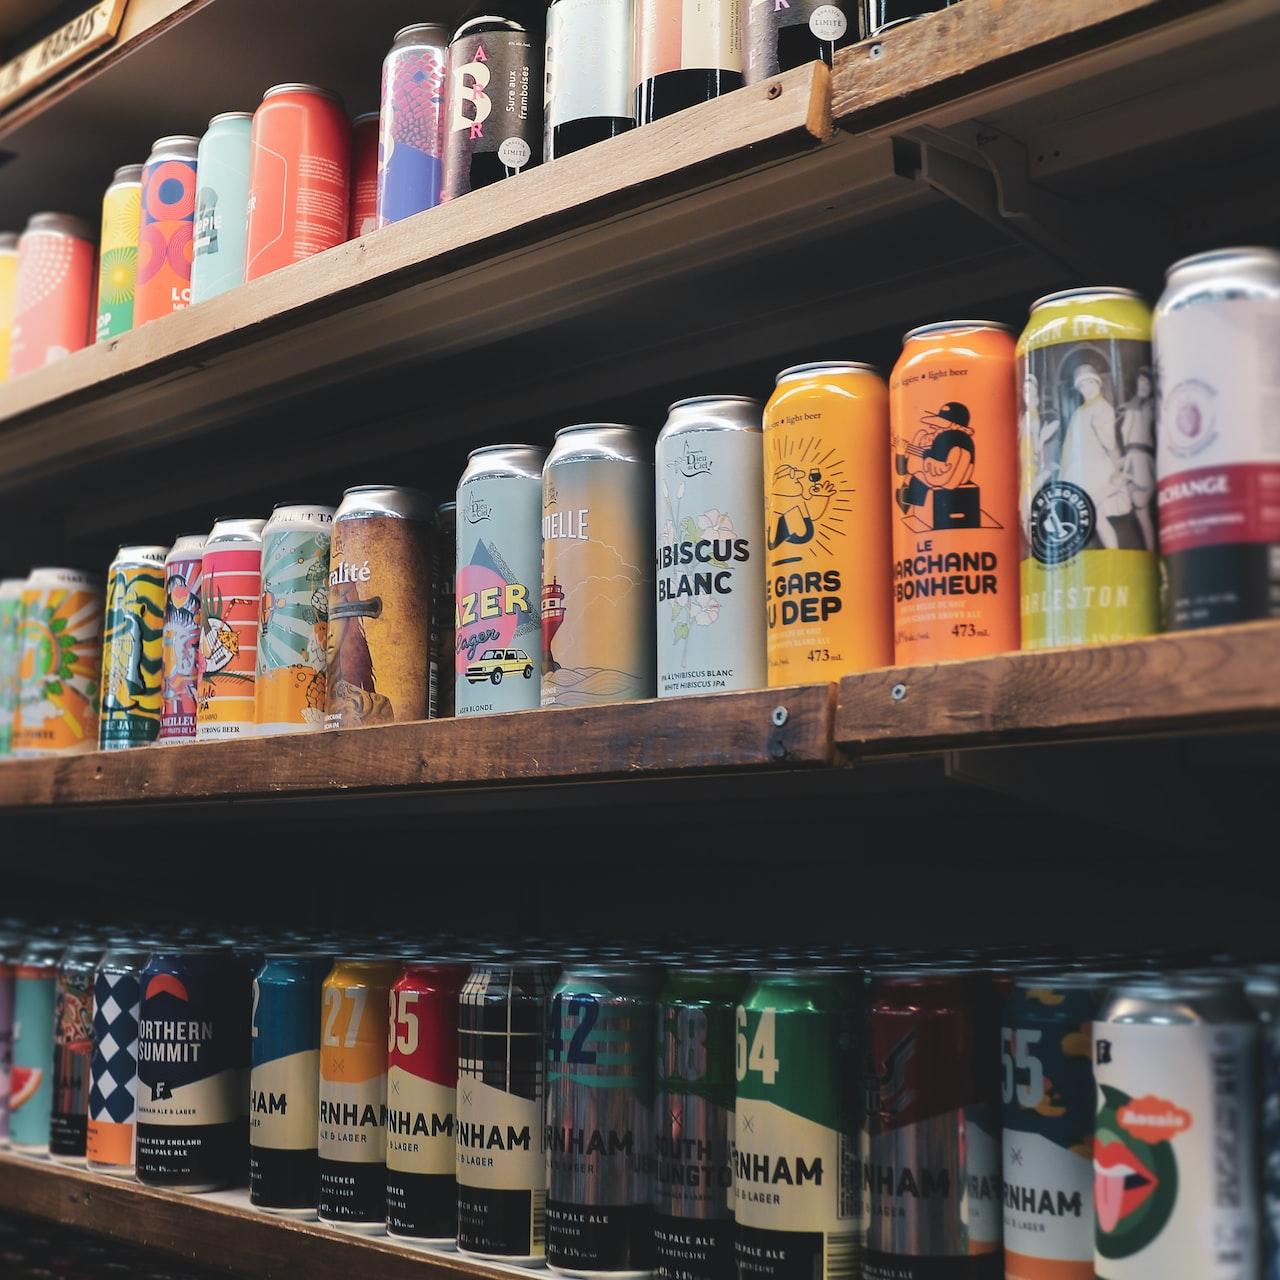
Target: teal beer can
<point>222,204</point>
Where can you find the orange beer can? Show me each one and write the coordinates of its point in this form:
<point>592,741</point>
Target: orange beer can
<point>54,288</point>
<point>826,523</point>
<point>954,418</point>
<point>364,175</point>
<point>299,177</point>
<point>166,236</point>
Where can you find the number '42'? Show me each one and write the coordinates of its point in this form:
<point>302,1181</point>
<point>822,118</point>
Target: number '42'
<point>762,1057</point>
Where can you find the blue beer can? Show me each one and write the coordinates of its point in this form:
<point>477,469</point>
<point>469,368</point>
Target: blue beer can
<point>34,999</point>
<point>222,204</point>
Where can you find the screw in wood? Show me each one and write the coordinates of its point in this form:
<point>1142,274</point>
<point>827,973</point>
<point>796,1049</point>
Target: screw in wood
<point>898,692</point>
<point>779,716</point>
<point>775,90</point>
<point>875,51</point>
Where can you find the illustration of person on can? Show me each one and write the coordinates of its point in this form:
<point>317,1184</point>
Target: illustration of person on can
<point>937,463</point>
<point>1091,456</point>
<point>800,500</point>
<point>354,697</point>
<point>1138,446</point>
<point>1039,439</point>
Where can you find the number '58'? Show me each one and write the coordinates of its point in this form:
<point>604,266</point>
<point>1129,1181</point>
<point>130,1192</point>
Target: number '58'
<point>763,1054</point>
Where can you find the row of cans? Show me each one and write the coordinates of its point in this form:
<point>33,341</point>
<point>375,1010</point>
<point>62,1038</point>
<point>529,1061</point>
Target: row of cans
<point>859,1117</point>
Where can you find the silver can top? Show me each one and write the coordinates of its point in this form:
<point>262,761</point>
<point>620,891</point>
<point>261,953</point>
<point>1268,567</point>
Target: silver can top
<point>1177,998</point>
<point>953,326</point>
<point>174,146</point>
<point>135,553</point>
<point>124,957</point>
<point>227,529</point>
<point>295,86</point>
<point>712,413</point>
<point>1085,980</point>
<point>1222,275</point>
<point>365,501</point>
<point>1087,293</point>
<point>127,175</point>
<point>46,577</point>
<point>186,546</point>
<point>522,461</point>
<point>420,33</point>
<point>225,117</point>
<point>606,441</point>
<point>60,224</point>
<point>298,515</point>
<point>814,368</point>
<point>11,588</point>
<point>8,242</point>
<point>366,117</point>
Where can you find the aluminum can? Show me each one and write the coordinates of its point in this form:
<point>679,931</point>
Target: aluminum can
<point>411,126</point>
<point>686,52</point>
<point>192,1050</point>
<point>180,644</point>
<point>299,177</point>
<point>1262,985</point>
<point>1218,458</point>
<point>353,1093</point>
<point>921,1188</point>
<point>827,533</point>
<point>222,203</point>
<point>600,1124</point>
<point>710,557</point>
<point>444,543</point>
<point>1048,1097</point>
<point>883,14</point>
<point>9,947</point>
<point>113,1070</point>
<point>501,1141</point>
<point>494,98</point>
<point>10,626</point>
<point>166,238</point>
<point>597,567</point>
<point>284,1083</point>
<point>795,1195</point>
<point>422,1086</point>
<point>8,295</point>
<point>363,216</point>
<point>1176,1134</point>
<point>693,1176</point>
<point>776,38</point>
<point>1086,454</point>
<point>588,74</point>
<point>231,578</point>
<point>289,688</point>
<point>378,644</point>
<point>498,583</point>
<point>132,649</point>
<point>118,252</point>
<point>953,418</point>
<point>72,1051</point>
<point>31,1077</point>
<point>59,662</point>
<point>53,292</point>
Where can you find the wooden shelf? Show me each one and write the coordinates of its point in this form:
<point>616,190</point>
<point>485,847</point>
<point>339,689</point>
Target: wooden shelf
<point>219,1229</point>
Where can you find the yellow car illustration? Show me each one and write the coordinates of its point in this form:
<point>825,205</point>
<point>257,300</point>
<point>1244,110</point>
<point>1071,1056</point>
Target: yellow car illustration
<point>493,664</point>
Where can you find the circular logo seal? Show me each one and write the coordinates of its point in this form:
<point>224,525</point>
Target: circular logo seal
<point>1062,521</point>
<point>1188,417</point>
<point>514,153</point>
<point>827,22</point>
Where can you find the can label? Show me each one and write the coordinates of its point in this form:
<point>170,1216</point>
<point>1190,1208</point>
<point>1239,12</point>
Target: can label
<point>290,684</point>
<point>8,299</point>
<point>72,1055</point>
<point>222,202</point>
<point>231,583</point>
<point>165,239</point>
<point>132,657</point>
<point>410,158</point>
<point>711,618</point>
<point>597,583</point>
<point>113,1087</point>
<point>1219,462</point>
<point>1087,445</point>
<point>54,288</point>
<point>10,620</point>
<point>31,1080</point>
<point>378,641</point>
<point>184,583</point>
<point>779,37</point>
<point>498,631</point>
<point>687,35</point>
<point>118,259</point>
<point>6,1044</point>
<point>1270,1148</point>
<point>364,179</point>
<point>59,661</point>
<point>588,66</point>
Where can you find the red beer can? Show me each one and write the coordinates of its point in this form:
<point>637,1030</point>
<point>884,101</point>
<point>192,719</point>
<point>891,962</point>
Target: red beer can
<point>422,1080</point>
<point>299,177</point>
<point>364,175</point>
<point>54,288</point>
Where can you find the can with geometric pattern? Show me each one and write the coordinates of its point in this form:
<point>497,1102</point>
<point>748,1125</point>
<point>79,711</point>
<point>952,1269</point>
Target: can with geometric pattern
<point>118,252</point>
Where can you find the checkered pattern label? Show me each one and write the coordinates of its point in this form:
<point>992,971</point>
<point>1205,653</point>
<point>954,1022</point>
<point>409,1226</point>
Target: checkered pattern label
<point>115,1047</point>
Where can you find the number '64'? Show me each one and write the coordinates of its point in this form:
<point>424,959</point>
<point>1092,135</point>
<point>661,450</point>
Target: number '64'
<point>763,1054</point>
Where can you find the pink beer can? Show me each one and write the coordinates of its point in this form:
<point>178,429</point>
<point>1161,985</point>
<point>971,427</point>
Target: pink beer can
<point>54,291</point>
<point>180,645</point>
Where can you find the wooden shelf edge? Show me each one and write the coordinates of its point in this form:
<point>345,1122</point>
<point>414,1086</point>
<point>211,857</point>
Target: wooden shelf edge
<point>715,732</point>
<point>1189,681</point>
<point>222,1229</point>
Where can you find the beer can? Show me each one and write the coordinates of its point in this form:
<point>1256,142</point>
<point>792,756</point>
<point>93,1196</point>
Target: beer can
<point>795,1195</point>
<point>8,295</point>
<point>353,1094</point>
<point>710,561</point>
<point>1047,1091</point>
<point>9,945</point>
<point>166,238</point>
<point>289,688</point>
<point>180,644</point>
<point>118,252</point>
<point>72,1051</point>
<point>883,14</point>
<point>299,177</point>
<point>498,584</point>
<point>113,1070</point>
<point>422,1080</point>
<point>132,649</point>
<point>494,97</point>
<point>501,1142</point>
<point>953,419</point>
<point>826,523</point>
<point>191,1051</point>
<point>53,291</point>
<point>10,625</point>
<point>597,567</point>
<point>363,217</point>
<point>444,542</point>
<point>284,1083</point>
<point>1176,1133</point>
<point>1086,452</point>
<point>686,52</point>
<point>600,1124</point>
<point>35,979</point>
<point>411,126</point>
<point>59,662</point>
<point>693,1175</point>
<point>778,37</point>
<point>222,202</point>
<point>231,580</point>
<point>588,74</point>
<point>1262,986</point>
<point>379,637</point>
<point>1218,459</point>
